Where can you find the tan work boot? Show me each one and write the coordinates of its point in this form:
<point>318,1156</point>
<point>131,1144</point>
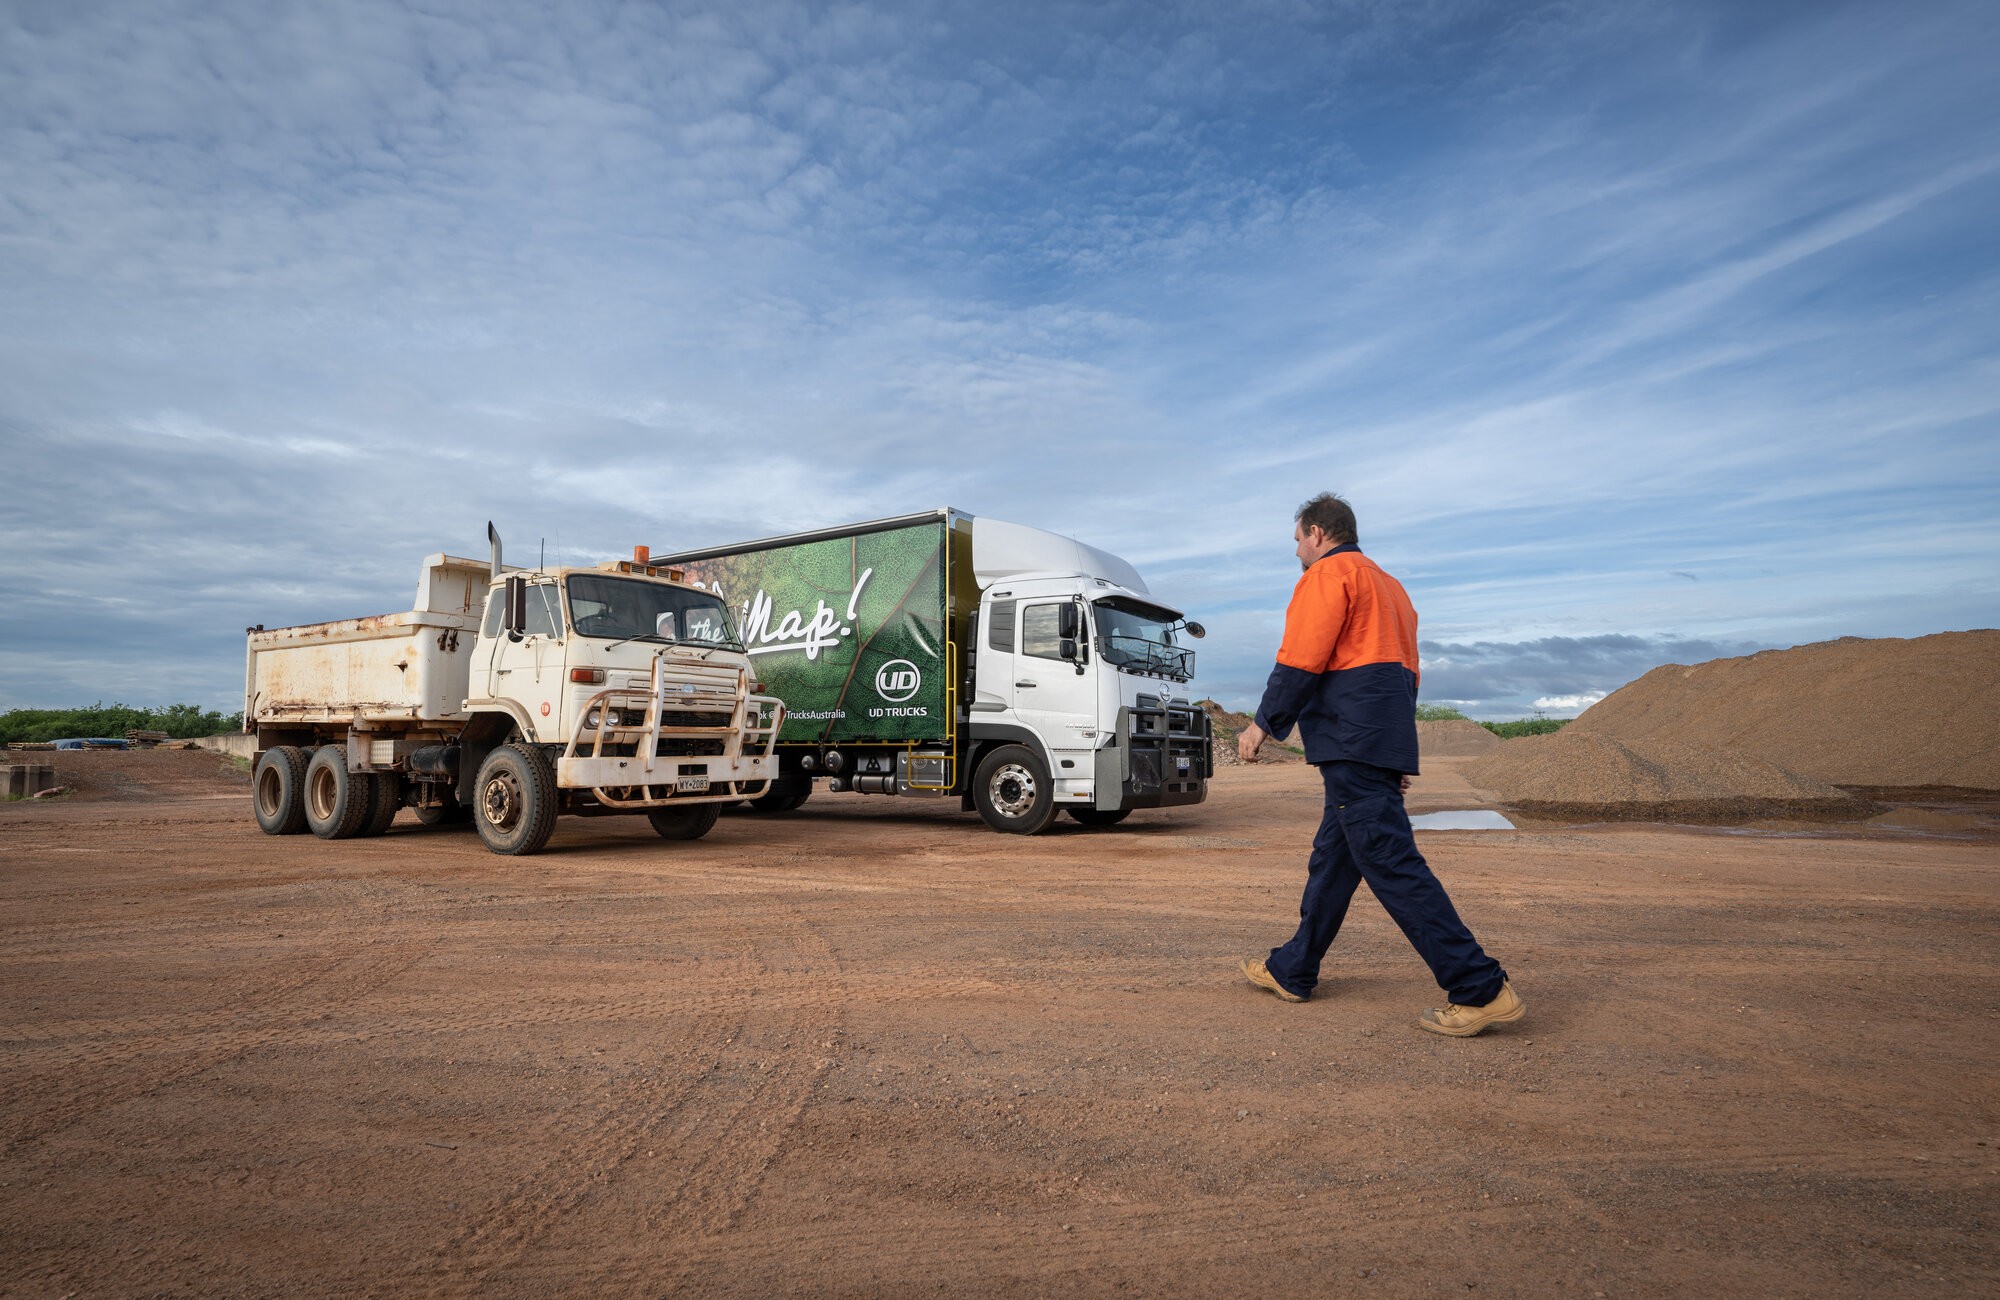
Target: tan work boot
<point>1464,1022</point>
<point>1254,970</point>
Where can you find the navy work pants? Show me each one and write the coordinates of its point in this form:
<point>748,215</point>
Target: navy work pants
<point>1364,834</point>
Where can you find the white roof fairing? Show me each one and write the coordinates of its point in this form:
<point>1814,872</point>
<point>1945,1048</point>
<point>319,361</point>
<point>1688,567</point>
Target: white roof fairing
<point>1003,550</point>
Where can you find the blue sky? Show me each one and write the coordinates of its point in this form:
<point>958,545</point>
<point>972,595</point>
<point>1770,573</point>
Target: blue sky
<point>1636,333</point>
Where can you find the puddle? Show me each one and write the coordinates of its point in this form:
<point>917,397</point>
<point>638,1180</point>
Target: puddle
<point>1479,820</point>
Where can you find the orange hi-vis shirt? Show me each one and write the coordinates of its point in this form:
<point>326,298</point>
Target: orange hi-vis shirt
<point>1346,613</point>
<point>1347,671</point>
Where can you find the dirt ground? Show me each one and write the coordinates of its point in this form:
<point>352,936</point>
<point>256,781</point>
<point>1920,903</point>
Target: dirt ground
<point>872,1048</point>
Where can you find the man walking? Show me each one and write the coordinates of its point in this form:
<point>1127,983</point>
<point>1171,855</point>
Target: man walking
<point>1347,676</point>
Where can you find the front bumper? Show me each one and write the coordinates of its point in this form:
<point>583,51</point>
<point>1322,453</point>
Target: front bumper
<point>1162,756</point>
<point>680,704</point>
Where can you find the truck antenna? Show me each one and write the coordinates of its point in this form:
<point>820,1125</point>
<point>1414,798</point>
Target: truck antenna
<point>542,562</point>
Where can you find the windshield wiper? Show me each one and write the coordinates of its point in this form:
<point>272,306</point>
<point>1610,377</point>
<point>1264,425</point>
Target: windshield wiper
<point>643,636</point>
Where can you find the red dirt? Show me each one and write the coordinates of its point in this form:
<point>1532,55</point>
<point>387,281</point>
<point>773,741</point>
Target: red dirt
<point>874,1049</point>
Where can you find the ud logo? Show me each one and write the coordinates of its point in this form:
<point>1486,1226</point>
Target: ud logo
<point>897,680</point>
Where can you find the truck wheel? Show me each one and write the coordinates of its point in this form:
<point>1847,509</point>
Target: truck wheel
<point>388,802</point>
<point>1014,792</point>
<point>789,791</point>
<point>337,801</point>
<point>515,808</point>
<point>1093,817</point>
<point>690,823</point>
<point>278,790</point>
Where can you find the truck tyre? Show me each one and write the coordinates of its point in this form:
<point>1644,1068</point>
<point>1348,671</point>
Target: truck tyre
<point>277,790</point>
<point>388,788</point>
<point>515,800</point>
<point>1095,817</point>
<point>337,801</point>
<point>1014,792</point>
<point>787,792</point>
<point>689,823</point>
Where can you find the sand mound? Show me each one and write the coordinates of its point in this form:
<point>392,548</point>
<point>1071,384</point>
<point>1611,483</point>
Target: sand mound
<point>1886,713</point>
<point>1569,775</point>
<point>141,775</point>
<point>1455,739</point>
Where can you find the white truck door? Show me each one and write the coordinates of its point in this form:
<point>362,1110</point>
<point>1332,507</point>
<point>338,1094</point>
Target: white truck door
<point>525,671</point>
<point>1050,695</point>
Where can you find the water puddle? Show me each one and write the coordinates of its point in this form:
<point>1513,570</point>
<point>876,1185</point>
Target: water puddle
<point>1477,820</point>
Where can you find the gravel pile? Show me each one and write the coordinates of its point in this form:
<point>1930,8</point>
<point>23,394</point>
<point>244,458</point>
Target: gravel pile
<point>1811,731</point>
<point>1600,778</point>
<point>1455,739</point>
<point>1885,713</point>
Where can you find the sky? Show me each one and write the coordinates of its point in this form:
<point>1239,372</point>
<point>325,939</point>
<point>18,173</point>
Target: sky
<point>1635,333</point>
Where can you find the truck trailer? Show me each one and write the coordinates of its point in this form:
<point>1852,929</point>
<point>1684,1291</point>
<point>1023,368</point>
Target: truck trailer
<point>940,655</point>
<point>508,697</point>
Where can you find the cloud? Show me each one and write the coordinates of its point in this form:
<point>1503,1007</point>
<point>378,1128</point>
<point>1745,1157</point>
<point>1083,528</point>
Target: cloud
<point>1558,673</point>
<point>1609,320</point>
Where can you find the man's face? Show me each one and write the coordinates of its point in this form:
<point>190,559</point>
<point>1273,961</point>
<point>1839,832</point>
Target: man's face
<point>1312,544</point>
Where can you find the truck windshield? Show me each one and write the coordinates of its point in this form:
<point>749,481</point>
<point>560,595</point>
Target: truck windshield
<point>622,609</point>
<point>1138,636</point>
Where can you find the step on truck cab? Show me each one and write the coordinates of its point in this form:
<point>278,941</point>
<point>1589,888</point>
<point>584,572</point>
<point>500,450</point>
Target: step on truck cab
<point>507,697</point>
<point>942,655</point>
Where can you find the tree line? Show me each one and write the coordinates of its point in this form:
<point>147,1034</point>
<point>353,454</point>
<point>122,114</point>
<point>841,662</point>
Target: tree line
<point>179,721</point>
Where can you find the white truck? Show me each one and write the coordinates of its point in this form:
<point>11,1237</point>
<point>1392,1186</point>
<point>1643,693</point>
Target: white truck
<point>506,697</point>
<point>943,655</point>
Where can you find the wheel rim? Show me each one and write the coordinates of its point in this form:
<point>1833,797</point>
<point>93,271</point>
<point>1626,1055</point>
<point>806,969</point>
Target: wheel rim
<point>270,793</point>
<point>1011,790</point>
<point>500,800</point>
<point>320,793</point>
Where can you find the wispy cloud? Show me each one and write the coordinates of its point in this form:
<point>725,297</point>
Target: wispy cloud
<point>1576,304</point>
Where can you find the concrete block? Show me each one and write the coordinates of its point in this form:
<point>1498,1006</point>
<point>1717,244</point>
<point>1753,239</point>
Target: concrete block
<point>22,780</point>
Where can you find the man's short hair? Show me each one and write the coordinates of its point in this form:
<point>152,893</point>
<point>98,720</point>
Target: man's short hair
<point>1332,516</point>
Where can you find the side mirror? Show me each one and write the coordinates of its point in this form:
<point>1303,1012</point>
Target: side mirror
<point>515,618</point>
<point>1196,630</point>
<point>1068,648</point>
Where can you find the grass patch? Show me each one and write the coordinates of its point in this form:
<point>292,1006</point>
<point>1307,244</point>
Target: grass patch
<point>236,763</point>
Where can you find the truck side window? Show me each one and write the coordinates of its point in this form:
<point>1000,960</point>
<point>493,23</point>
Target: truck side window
<point>1000,626</point>
<point>542,617</point>
<point>496,605</point>
<point>1041,632</point>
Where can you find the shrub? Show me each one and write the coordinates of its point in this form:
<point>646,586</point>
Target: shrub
<point>1439,713</point>
<point>180,721</point>
<point>1526,727</point>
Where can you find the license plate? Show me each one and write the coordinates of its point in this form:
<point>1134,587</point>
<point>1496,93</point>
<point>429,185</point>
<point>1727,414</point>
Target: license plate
<point>692,785</point>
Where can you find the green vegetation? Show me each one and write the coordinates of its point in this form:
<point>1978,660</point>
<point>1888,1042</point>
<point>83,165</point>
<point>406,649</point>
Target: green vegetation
<point>1505,730</point>
<point>180,721</point>
<point>1526,727</point>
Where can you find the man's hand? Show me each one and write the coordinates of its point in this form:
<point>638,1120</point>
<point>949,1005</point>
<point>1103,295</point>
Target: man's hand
<point>1248,743</point>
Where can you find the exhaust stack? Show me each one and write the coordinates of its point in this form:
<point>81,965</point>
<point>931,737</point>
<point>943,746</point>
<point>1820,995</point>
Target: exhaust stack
<point>493,540</point>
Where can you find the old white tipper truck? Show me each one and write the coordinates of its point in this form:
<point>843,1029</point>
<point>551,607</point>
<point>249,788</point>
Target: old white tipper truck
<point>941,655</point>
<point>507,697</point>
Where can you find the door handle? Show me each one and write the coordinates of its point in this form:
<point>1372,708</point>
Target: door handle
<point>1024,683</point>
